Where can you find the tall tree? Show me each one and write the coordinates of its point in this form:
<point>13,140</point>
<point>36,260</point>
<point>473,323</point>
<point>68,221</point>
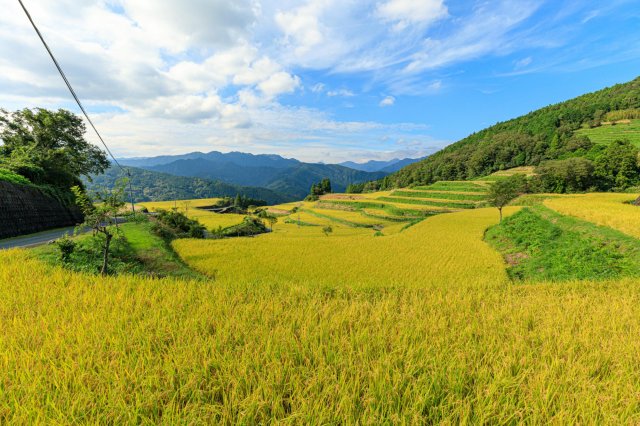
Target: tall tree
<point>48,147</point>
<point>101,216</point>
<point>504,191</point>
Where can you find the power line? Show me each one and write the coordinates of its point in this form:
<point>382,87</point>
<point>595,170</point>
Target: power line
<point>73,93</point>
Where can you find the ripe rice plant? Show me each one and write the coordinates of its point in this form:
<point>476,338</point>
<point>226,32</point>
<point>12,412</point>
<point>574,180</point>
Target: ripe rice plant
<point>416,327</point>
<point>612,210</point>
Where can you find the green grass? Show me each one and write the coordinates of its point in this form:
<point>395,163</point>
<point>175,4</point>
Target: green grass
<point>439,195</point>
<point>388,218</point>
<point>389,208</point>
<point>136,250</point>
<point>541,245</point>
<point>606,134</point>
<point>427,203</point>
<point>338,220</point>
<point>454,186</point>
<point>299,222</point>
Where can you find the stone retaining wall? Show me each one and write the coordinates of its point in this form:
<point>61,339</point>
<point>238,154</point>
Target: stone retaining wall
<point>25,210</point>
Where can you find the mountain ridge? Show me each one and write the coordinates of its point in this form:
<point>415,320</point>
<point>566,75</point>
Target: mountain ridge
<point>289,177</point>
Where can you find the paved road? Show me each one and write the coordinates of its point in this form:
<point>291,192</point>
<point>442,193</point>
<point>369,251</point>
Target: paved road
<point>43,237</point>
<point>33,240</point>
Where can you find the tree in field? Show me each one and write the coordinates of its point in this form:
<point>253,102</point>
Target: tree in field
<point>100,214</point>
<point>319,189</point>
<point>506,190</point>
<point>48,147</point>
<point>325,186</point>
<point>327,230</point>
<point>272,220</point>
<point>617,166</point>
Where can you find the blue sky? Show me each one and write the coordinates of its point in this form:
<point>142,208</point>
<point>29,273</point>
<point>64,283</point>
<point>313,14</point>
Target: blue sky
<point>319,80</point>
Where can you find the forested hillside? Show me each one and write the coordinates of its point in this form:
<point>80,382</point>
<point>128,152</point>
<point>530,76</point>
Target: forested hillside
<point>148,185</point>
<point>286,176</point>
<point>530,140</point>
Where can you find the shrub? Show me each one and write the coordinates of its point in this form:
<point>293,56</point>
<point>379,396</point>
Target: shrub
<point>11,177</point>
<point>66,246</point>
<point>173,224</point>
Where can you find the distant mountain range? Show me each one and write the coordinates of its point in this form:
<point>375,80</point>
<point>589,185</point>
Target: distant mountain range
<point>381,166</point>
<point>287,177</point>
<point>155,186</point>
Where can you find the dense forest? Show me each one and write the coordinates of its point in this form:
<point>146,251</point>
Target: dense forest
<point>154,186</point>
<point>47,149</point>
<point>544,138</point>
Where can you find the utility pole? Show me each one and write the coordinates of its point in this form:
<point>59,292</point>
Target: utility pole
<point>133,206</point>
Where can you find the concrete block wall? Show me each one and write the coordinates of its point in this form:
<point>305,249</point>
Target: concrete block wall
<point>25,210</point>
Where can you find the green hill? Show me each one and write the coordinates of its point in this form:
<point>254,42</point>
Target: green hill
<point>549,133</point>
<point>154,186</point>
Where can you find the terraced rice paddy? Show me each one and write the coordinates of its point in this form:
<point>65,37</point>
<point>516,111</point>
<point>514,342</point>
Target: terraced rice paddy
<point>191,208</point>
<point>606,134</point>
<point>612,210</point>
<point>421,326</point>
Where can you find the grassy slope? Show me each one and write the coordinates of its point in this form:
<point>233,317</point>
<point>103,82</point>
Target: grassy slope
<point>541,245</point>
<point>136,251</point>
<point>606,134</point>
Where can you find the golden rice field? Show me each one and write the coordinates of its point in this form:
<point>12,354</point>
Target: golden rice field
<point>210,220</point>
<point>399,259</point>
<point>613,210</point>
<point>414,327</point>
<point>181,205</point>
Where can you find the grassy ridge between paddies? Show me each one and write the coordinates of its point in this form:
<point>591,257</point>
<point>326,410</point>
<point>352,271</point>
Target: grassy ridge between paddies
<point>540,244</point>
<point>134,250</point>
<point>455,186</point>
<point>440,195</point>
<point>432,202</point>
<point>299,338</point>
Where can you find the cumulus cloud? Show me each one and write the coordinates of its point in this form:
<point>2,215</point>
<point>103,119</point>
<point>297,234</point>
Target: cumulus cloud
<point>162,75</point>
<point>387,101</point>
<point>183,25</point>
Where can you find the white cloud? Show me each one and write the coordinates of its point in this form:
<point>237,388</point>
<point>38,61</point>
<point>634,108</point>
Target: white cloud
<point>183,25</point>
<point>485,32</point>
<point>435,86</point>
<point>176,76</point>
<point>345,93</point>
<point>523,63</point>
<point>279,83</point>
<point>302,27</point>
<point>387,101</point>
<point>317,88</point>
<point>406,12</point>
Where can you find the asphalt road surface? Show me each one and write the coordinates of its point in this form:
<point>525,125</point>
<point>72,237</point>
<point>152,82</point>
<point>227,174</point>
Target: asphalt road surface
<point>32,240</point>
<point>37,239</point>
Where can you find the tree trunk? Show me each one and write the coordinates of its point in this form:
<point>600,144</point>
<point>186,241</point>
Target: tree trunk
<point>500,210</point>
<point>105,258</point>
